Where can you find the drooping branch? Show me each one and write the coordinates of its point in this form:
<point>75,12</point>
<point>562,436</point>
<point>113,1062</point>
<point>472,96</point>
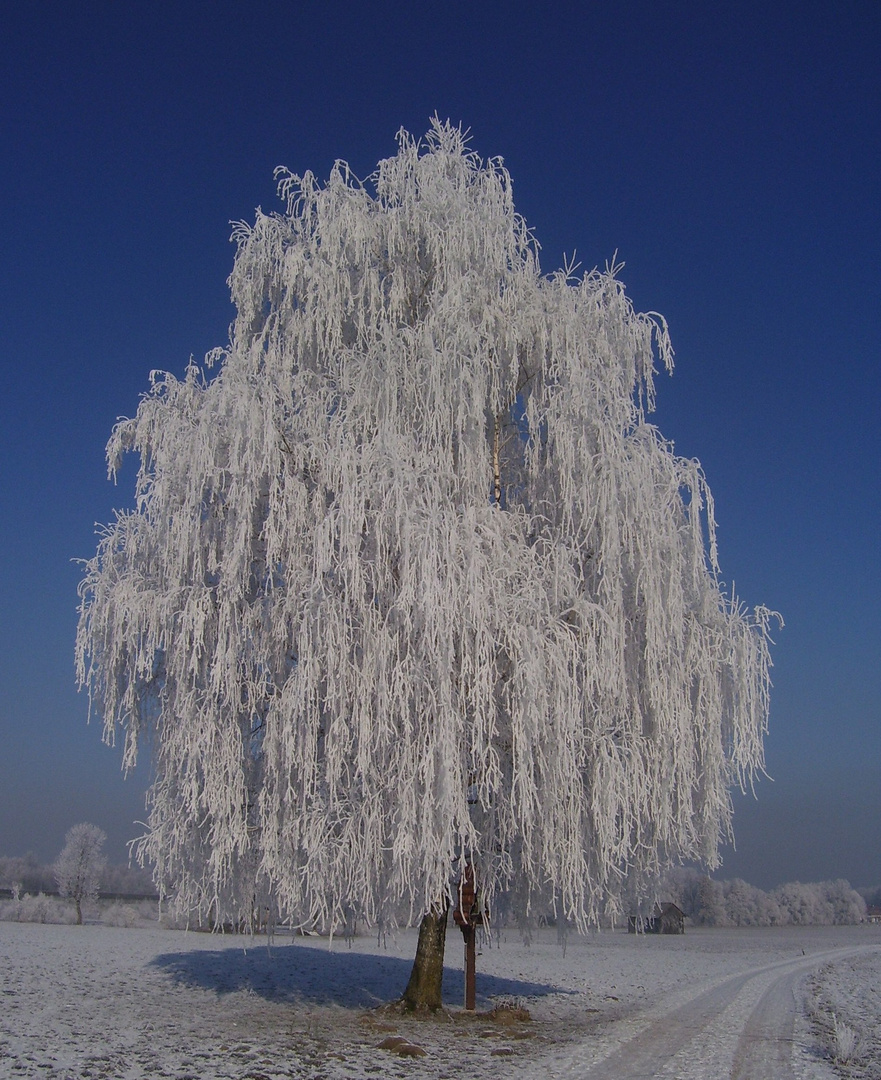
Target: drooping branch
<point>351,667</point>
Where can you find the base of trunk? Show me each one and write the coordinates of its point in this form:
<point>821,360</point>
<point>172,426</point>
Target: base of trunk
<point>423,991</point>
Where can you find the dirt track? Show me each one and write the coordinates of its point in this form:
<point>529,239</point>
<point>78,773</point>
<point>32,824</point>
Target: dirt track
<point>740,1027</point>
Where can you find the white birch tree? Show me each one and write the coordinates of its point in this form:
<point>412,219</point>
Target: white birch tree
<point>410,581</point>
<point>79,867</point>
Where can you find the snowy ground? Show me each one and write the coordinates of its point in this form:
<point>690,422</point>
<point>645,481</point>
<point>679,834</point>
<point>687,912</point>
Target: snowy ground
<point>103,1002</point>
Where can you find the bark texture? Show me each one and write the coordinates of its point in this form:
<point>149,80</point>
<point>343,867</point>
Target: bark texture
<point>424,990</point>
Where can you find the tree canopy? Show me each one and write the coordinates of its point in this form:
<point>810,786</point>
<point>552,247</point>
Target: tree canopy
<point>410,581</point>
<point>79,867</point>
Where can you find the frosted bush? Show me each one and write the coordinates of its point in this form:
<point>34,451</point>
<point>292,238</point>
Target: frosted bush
<point>119,914</point>
<point>148,910</point>
<point>129,913</point>
<point>37,909</point>
<point>845,1041</point>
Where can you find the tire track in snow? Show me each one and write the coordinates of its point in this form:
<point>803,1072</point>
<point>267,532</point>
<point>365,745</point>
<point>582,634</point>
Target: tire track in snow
<point>766,1042</point>
<point>740,1027</point>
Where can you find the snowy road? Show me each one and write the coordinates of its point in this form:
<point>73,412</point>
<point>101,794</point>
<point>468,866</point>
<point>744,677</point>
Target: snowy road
<point>740,1027</point>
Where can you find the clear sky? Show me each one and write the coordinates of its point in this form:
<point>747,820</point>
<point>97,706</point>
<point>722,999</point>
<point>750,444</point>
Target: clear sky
<point>729,153</point>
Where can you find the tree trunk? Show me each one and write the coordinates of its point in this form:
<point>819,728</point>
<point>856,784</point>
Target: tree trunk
<point>79,911</point>
<point>424,988</point>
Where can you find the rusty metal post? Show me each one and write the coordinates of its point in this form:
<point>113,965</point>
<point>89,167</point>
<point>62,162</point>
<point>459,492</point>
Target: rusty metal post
<point>468,915</point>
<point>470,967</point>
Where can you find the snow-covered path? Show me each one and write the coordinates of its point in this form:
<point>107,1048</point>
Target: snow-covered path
<point>742,1026</point>
<point>100,1003</point>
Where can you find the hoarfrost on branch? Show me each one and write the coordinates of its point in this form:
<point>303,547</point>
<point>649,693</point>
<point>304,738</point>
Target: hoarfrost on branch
<point>79,867</point>
<point>411,581</point>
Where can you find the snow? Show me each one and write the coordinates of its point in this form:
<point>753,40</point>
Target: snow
<point>844,1002</point>
<point>97,1001</point>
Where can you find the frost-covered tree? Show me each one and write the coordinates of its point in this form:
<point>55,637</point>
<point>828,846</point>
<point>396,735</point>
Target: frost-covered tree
<point>79,866</point>
<point>845,904</point>
<point>821,903</point>
<point>27,872</point>
<point>411,583</point>
<point>745,905</point>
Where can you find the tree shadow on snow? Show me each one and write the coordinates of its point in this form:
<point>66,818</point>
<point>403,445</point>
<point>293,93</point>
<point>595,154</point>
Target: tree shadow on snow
<point>299,972</point>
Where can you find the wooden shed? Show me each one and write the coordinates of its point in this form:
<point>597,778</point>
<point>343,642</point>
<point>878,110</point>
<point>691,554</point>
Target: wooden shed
<point>665,919</point>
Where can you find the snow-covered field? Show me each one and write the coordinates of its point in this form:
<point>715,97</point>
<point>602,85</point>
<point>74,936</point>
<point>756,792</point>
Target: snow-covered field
<point>103,1002</point>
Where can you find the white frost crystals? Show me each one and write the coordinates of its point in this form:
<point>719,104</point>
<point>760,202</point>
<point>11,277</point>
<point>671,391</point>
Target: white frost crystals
<point>411,581</point>
<point>79,867</point>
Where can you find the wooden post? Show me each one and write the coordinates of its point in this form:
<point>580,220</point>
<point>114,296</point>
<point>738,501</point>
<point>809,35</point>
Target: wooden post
<point>468,915</point>
<point>470,967</point>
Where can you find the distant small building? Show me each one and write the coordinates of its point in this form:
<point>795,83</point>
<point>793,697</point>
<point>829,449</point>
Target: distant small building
<point>665,919</point>
<point>873,914</point>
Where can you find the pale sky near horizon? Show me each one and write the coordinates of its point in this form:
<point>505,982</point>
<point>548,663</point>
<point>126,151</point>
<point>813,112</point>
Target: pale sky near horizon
<point>729,154</point>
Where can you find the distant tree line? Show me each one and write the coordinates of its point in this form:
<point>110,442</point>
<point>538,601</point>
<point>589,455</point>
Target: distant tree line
<point>31,876</point>
<point>708,902</point>
<point>69,890</point>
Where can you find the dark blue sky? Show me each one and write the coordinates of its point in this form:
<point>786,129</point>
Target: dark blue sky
<point>730,154</point>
